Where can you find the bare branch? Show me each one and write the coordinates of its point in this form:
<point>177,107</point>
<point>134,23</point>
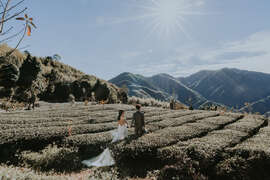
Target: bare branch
<point>10,37</point>
<point>13,15</point>
<point>3,17</point>
<point>10,52</point>
<point>2,5</point>
<point>24,47</point>
<point>7,31</point>
<point>12,7</point>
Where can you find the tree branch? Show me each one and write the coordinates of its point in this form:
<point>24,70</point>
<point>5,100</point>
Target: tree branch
<point>10,52</point>
<point>7,31</point>
<point>10,37</point>
<point>13,16</point>
<point>2,5</point>
<point>3,17</point>
<point>12,7</point>
<point>24,47</point>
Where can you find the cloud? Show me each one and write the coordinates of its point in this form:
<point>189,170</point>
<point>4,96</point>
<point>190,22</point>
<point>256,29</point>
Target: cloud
<point>130,55</point>
<point>239,54</point>
<point>251,53</point>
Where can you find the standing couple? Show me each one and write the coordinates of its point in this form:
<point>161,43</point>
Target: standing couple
<point>105,158</point>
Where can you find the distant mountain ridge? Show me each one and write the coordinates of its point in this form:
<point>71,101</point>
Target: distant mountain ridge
<point>161,86</point>
<point>229,87</point>
<point>232,87</point>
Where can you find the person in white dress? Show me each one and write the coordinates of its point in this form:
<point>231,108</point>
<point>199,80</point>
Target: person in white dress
<point>105,158</point>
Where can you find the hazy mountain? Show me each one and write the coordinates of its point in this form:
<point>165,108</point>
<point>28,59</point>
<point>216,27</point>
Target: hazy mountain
<point>172,86</point>
<point>160,86</point>
<point>138,86</point>
<point>231,87</point>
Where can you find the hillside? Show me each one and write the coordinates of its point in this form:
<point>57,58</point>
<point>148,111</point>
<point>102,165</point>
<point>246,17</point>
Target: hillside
<point>138,86</point>
<point>49,79</point>
<point>181,144</point>
<point>261,106</point>
<point>171,86</point>
<point>231,87</point>
<point>160,86</point>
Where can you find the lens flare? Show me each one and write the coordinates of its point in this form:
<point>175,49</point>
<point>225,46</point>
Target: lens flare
<point>164,17</point>
<point>168,16</point>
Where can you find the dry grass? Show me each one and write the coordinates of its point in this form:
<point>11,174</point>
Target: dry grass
<point>147,102</point>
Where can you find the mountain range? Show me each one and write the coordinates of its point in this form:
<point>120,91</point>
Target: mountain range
<point>162,87</point>
<point>230,87</point>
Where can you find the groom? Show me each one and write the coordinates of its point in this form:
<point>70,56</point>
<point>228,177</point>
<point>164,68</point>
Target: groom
<point>138,120</point>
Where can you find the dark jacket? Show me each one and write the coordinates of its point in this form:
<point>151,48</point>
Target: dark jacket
<point>138,119</point>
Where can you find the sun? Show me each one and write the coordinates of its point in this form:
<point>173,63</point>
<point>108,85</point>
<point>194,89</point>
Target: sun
<point>163,17</point>
<point>169,16</point>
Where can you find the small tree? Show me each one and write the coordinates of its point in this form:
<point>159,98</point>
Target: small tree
<point>124,88</point>
<point>29,71</point>
<point>56,57</point>
<point>189,101</point>
<point>124,94</point>
<point>248,106</point>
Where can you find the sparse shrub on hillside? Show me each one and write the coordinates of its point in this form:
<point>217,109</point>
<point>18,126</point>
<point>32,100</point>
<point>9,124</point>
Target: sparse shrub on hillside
<point>147,102</point>
<point>123,93</point>
<point>55,76</point>
<point>16,58</point>
<point>50,78</point>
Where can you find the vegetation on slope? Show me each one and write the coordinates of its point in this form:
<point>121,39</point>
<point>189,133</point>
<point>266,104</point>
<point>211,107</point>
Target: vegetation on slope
<point>50,80</point>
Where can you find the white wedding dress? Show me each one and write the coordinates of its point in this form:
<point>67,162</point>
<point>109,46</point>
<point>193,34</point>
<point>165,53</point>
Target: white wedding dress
<point>105,158</point>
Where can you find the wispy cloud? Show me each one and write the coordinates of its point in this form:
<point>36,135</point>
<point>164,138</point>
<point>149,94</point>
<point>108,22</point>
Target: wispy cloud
<point>251,53</point>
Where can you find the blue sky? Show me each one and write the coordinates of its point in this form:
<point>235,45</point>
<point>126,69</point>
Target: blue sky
<point>108,37</point>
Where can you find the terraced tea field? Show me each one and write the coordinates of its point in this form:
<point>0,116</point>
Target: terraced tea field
<point>212,144</point>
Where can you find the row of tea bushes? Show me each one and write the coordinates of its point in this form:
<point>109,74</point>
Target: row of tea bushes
<point>249,159</point>
<point>161,138</point>
<point>209,150</point>
<point>44,133</point>
<point>185,117</point>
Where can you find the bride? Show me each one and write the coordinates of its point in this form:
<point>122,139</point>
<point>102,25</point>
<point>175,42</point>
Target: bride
<point>105,158</point>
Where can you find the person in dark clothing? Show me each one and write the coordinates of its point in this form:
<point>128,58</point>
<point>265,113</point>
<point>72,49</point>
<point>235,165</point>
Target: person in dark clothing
<point>32,100</point>
<point>138,121</point>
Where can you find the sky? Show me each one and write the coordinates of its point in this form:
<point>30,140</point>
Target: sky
<point>178,37</point>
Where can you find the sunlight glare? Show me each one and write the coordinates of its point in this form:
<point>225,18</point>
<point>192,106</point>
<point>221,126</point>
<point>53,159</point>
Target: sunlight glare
<point>168,16</point>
